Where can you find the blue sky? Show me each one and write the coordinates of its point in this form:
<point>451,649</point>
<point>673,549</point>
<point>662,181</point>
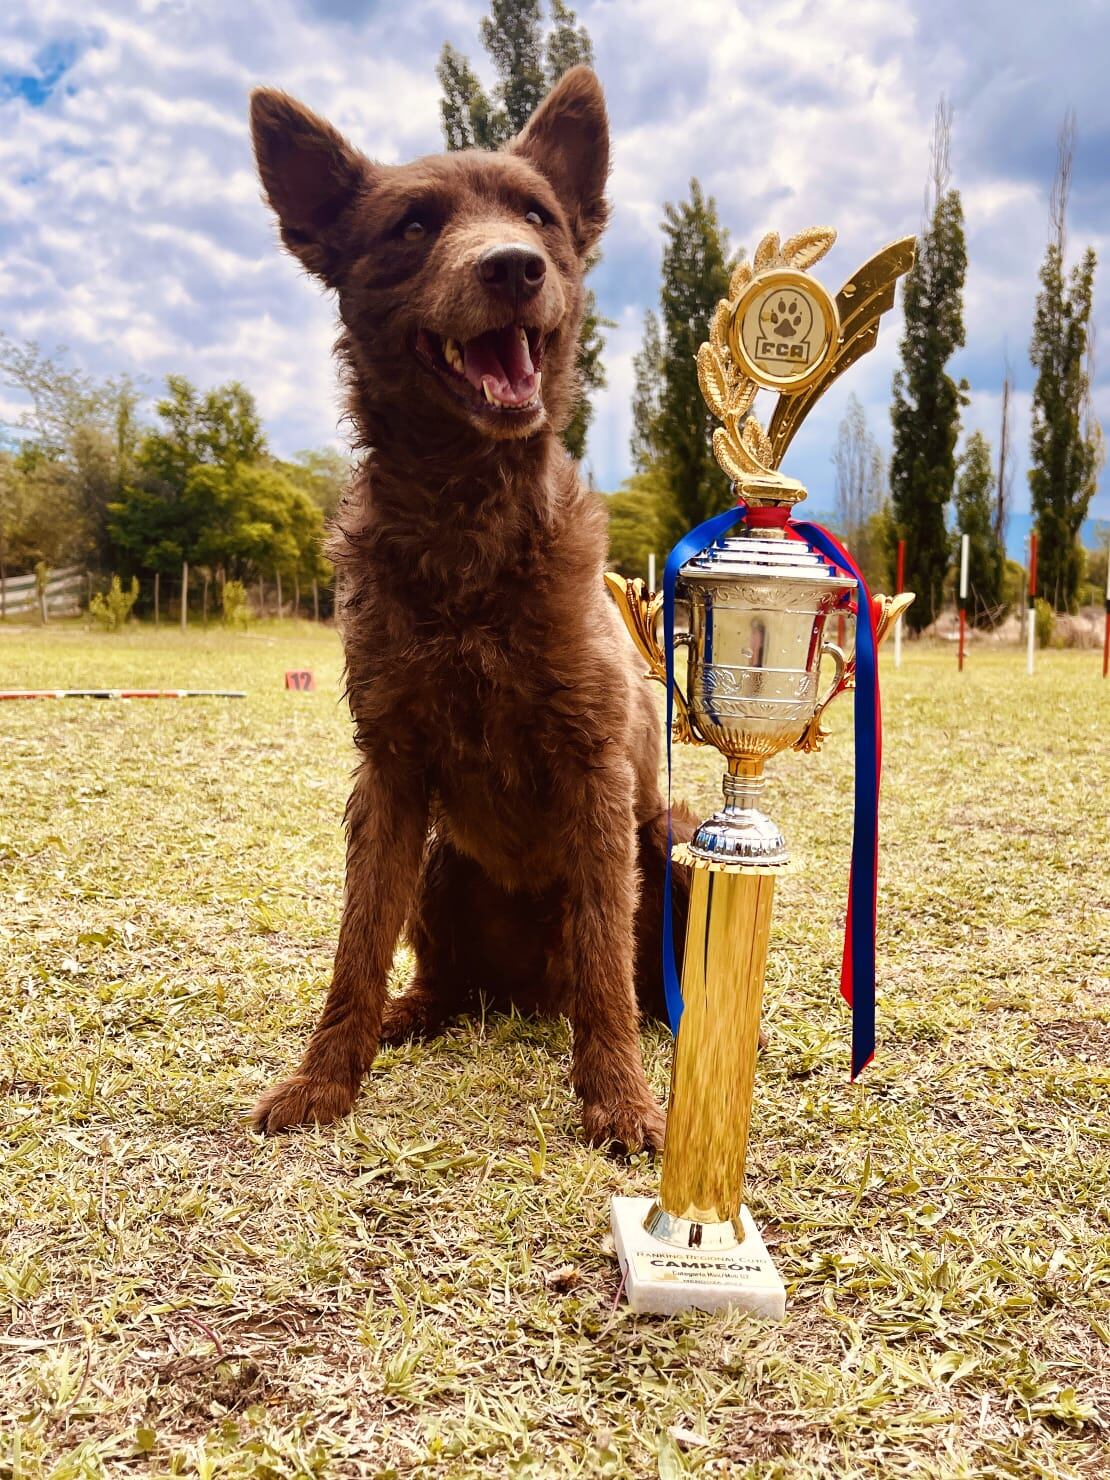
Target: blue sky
<point>131,228</point>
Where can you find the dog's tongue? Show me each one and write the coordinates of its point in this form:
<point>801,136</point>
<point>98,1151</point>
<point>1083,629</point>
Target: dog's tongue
<point>499,364</point>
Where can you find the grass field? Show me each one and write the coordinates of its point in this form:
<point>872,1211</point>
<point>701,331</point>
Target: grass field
<point>427,1288</point>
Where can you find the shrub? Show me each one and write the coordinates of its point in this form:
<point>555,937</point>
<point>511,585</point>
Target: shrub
<point>112,610</point>
<point>235,604</point>
<point>1044,619</point>
<point>637,524</point>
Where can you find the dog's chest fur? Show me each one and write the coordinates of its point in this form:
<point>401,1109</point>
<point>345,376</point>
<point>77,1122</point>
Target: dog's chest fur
<point>480,643</point>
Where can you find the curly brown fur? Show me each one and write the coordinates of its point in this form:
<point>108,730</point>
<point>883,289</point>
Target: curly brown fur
<point>505,803</point>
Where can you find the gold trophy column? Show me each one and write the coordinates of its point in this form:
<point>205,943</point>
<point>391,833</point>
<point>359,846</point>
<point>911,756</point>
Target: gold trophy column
<point>756,637</point>
<point>714,1063</point>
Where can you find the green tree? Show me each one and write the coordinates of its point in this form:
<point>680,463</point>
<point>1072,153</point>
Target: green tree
<point>568,45</point>
<point>975,507</point>
<point>527,65</point>
<point>926,406</point>
<point>322,473</point>
<point>1066,444</point>
<point>79,436</point>
<point>160,519</point>
<point>1093,590</point>
<point>39,508</point>
<point>221,427</point>
<point>647,395</point>
<point>638,523</point>
<point>672,427</point>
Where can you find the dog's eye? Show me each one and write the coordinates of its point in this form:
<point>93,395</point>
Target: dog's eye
<point>534,218</point>
<point>414,231</point>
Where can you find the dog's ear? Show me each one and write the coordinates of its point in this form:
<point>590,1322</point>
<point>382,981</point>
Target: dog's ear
<point>567,139</point>
<point>311,177</point>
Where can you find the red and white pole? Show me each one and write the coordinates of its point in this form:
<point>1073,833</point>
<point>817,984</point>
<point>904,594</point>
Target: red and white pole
<point>899,587</point>
<point>965,554</point>
<point>1030,636</point>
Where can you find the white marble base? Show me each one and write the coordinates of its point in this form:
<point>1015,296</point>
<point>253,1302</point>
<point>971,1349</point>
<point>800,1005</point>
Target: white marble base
<point>663,1279</point>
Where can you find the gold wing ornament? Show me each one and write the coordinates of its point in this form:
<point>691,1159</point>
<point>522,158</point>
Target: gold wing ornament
<point>743,355</point>
<point>861,302</point>
<point>741,446</point>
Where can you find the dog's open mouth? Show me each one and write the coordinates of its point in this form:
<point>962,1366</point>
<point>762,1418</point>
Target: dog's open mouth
<point>498,371</point>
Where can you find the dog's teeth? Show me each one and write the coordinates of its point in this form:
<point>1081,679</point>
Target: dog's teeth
<point>524,338</point>
<point>452,354</point>
<point>539,377</point>
<point>490,397</point>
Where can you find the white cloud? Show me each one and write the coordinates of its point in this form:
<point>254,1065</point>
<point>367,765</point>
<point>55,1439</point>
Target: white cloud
<point>132,228</point>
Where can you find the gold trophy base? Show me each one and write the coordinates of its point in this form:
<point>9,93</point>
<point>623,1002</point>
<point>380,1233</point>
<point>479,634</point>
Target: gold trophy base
<point>661,1279</point>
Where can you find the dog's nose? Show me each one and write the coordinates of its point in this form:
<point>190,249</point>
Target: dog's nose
<point>514,270</point>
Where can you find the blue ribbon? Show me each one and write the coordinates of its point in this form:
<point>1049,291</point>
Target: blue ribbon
<point>858,969</point>
<point>857,977</point>
<point>688,546</point>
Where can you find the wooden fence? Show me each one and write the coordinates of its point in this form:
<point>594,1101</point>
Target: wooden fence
<point>19,595</point>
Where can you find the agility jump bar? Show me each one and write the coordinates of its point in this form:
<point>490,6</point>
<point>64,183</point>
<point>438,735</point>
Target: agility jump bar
<point>122,694</point>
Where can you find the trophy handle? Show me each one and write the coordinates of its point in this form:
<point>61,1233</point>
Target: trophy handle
<point>840,663</point>
<point>641,611</point>
<point>887,609</point>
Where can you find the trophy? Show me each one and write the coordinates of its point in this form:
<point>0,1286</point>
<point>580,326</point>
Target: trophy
<point>759,675</point>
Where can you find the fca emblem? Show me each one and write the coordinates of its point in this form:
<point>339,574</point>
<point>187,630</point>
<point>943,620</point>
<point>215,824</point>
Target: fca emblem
<point>775,349</point>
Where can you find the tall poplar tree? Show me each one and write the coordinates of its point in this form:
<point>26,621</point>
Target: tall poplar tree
<point>672,426</point>
<point>975,517</point>
<point>1066,443</point>
<point>527,63</point>
<point>926,406</point>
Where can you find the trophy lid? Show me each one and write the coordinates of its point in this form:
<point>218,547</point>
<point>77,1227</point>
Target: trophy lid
<point>749,557</point>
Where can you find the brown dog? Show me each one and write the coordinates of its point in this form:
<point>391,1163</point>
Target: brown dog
<point>505,802</point>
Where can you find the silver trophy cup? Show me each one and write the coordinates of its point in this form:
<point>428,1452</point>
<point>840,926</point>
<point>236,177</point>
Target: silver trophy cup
<point>757,605</point>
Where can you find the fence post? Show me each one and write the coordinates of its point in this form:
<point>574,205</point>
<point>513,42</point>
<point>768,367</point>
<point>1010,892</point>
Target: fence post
<point>296,593</point>
<point>278,574</point>
<point>204,600</point>
<point>157,593</point>
<point>1031,636</point>
<point>184,595</point>
<point>315,600</point>
<point>261,598</point>
<point>965,549</point>
<point>42,575</point>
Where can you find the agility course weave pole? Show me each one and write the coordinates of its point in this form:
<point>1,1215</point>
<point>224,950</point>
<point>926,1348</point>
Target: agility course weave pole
<point>123,694</point>
<point>965,545</point>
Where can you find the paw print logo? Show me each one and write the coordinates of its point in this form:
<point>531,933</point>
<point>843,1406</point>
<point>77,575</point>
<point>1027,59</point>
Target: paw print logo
<point>784,329</point>
<point>786,317</point>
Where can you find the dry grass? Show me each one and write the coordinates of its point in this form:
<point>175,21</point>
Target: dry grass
<point>426,1288</point>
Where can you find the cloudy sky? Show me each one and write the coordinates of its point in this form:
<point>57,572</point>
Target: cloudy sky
<point>132,232</point>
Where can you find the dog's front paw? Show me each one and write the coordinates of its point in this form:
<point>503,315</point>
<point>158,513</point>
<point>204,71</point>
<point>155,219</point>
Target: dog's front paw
<point>299,1100</point>
<point>632,1124</point>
